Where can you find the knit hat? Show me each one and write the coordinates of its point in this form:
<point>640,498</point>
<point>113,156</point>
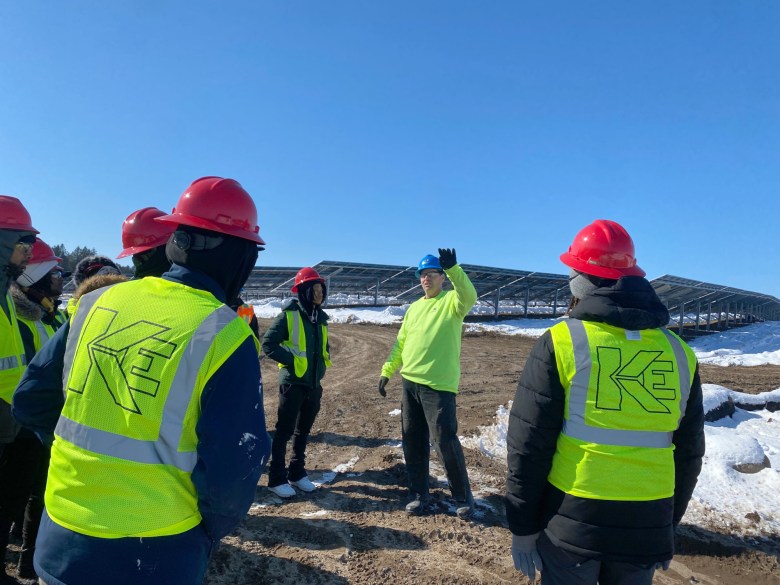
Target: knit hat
<point>582,285</point>
<point>92,265</point>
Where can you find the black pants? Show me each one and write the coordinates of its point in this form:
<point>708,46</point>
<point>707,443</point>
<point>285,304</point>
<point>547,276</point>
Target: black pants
<point>21,467</point>
<point>298,407</point>
<point>562,567</point>
<point>429,416</point>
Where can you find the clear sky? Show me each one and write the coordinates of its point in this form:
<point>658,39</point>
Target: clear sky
<point>379,131</point>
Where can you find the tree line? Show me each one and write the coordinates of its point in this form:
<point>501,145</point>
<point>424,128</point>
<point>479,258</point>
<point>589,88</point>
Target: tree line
<point>70,259</point>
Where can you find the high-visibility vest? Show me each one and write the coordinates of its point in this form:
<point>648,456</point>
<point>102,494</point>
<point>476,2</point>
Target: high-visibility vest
<point>60,317</point>
<point>137,358</point>
<point>12,358</point>
<point>626,392</point>
<point>296,343</point>
<point>41,332</point>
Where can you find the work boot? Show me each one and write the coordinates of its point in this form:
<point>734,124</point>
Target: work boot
<point>24,568</point>
<point>418,506</point>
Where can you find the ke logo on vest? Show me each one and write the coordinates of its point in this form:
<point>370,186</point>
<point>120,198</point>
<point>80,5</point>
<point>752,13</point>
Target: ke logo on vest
<point>123,361</point>
<point>644,377</point>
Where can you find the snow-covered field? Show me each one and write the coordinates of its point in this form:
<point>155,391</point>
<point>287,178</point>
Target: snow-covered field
<point>744,503</point>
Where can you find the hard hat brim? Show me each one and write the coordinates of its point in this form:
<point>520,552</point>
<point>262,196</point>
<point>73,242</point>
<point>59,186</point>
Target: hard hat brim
<point>199,222</point>
<point>600,271</point>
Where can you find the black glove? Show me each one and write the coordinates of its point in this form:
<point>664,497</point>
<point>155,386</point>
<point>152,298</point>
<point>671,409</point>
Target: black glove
<point>382,383</point>
<point>447,258</point>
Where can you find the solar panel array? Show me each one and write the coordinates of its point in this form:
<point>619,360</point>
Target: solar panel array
<point>517,292</point>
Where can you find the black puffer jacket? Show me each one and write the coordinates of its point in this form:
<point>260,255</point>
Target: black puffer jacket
<point>629,531</point>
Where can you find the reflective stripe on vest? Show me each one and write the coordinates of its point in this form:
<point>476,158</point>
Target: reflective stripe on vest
<point>576,426</point>
<point>296,343</point>
<point>165,449</point>
<point>138,357</point>
<point>39,330</point>
<point>12,356</point>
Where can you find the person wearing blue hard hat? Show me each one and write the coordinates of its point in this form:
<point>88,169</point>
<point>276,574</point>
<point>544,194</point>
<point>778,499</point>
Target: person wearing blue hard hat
<point>428,352</point>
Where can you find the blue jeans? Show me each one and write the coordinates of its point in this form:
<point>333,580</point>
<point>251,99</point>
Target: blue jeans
<point>428,416</point>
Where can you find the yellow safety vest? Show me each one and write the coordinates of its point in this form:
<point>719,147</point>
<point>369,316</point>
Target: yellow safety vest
<point>12,358</point>
<point>137,358</point>
<point>296,343</point>
<point>626,392</point>
<point>41,332</point>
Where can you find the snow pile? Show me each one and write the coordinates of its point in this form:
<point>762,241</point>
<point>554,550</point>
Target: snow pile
<point>753,345</point>
<point>748,503</point>
<point>492,439</point>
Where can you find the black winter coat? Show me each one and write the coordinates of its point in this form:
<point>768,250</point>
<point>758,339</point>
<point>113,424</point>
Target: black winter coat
<point>277,333</point>
<point>628,531</point>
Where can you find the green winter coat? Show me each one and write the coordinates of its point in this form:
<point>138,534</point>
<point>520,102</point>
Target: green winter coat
<point>317,356</point>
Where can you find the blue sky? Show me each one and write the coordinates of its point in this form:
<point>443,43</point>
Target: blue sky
<point>379,131</point>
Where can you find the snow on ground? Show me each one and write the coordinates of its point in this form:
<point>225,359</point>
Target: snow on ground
<point>743,503</point>
<point>752,345</point>
<point>723,496</point>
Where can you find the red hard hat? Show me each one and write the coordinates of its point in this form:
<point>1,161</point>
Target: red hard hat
<point>217,204</point>
<point>13,215</point>
<point>141,233</point>
<point>41,252</point>
<point>306,275</point>
<point>603,249</point>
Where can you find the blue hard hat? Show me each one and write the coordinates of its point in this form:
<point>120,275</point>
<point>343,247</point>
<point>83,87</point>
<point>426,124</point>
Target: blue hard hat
<point>428,262</point>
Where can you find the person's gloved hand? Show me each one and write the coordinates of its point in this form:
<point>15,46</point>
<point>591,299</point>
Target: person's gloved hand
<point>447,258</point>
<point>525,556</point>
<point>382,383</point>
<point>663,565</point>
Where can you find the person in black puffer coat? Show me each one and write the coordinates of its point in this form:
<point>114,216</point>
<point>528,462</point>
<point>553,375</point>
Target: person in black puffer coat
<point>606,432</point>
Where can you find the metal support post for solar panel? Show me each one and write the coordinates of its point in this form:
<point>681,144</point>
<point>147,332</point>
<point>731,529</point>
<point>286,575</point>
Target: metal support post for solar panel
<point>555,304</point>
<point>698,315</point>
<point>728,309</point>
<point>682,318</point>
<point>525,307</point>
<point>376,294</point>
<point>498,300</point>
<point>327,284</point>
<point>709,315</point>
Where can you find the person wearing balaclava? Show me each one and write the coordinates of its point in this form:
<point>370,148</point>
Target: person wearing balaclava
<point>162,436</point>
<point>17,236</point>
<point>298,340</point>
<point>606,432</point>
<point>145,239</point>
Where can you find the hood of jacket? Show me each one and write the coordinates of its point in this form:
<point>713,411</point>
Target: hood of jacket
<point>96,282</point>
<point>26,308</point>
<point>630,303</point>
<point>295,305</point>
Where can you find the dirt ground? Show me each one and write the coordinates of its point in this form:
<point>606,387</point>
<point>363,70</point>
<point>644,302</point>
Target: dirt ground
<point>353,529</point>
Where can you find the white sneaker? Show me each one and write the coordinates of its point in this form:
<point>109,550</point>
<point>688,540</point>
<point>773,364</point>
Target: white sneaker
<point>304,484</point>
<point>282,490</point>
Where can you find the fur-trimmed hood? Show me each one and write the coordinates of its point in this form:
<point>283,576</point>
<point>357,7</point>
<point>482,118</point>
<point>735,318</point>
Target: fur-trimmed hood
<point>26,308</point>
<point>96,282</point>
